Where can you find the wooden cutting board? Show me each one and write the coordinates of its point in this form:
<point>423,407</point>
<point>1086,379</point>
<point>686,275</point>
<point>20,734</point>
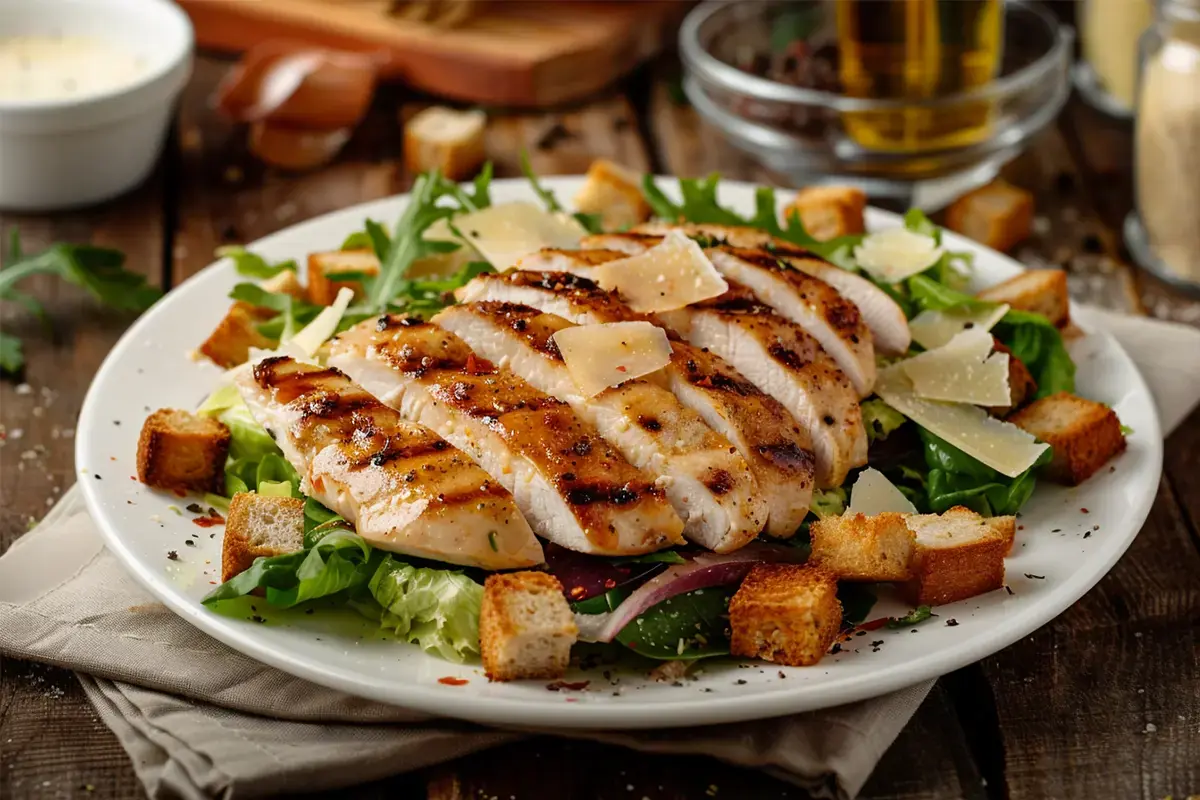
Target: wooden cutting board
<point>510,52</point>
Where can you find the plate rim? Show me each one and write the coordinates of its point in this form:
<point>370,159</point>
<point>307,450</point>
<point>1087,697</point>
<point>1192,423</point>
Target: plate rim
<point>515,712</point>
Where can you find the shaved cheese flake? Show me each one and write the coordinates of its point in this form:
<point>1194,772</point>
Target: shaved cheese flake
<point>896,253</point>
<point>1001,445</point>
<point>600,356</point>
<point>932,329</point>
<point>672,274</point>
<point>873,494</point>
<point>964,370</point>
<point>317,332</point>
<point>503,233</point>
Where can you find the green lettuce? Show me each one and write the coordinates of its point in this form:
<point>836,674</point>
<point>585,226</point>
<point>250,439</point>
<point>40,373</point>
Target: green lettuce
<point>253,458</point>
<point>957,479</point>
<point>880,419</point>
<point>829,502</point>
<point>437,609</point>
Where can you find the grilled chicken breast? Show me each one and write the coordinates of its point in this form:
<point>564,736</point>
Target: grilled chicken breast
<point>784,361</point>
<point>777,449</point>
<point>572,486</point>
<point>706,480</point>
<point>811,303</point>
<point>404,488</point>
<point>552,259</point>
<point>883,316</point>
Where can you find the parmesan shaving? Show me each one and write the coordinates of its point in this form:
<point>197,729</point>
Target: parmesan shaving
<point>672,274</point>
<point>932,329</point>
<point>874,494</point>
<point>503,233</point>
<point>896,253</point>
<point>317,332</point>
<point>600,356</point>
<point>964,370</point>
<point>1002,446</point>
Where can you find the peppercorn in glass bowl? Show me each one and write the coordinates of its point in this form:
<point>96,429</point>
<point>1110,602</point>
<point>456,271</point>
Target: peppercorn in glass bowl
<point>915,101</point>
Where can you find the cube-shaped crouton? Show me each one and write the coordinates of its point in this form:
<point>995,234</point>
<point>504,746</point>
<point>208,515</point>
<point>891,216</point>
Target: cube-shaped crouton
<point>1039,291</point>
<point>181,451</point>
<point>855,547</point>
<point>615,193</point>
<point>526,628</point>
<point>323,270</point>
<point>1021,385</point>
<point>956,555</point>
<point>998,215</point>
<point>1084,434</point>
<point>785,613</point>
<point>260,525</point>
<point>444,139</point>
<point>286,282</point>
<point>828,212</point>
<point>230,342</point>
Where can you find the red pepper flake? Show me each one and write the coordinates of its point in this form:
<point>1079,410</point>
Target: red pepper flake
<point>212,519</point>
<point>577,592</point>
<point>571,699</point>
<point>873,625</point>
<point>610,584</point>
<point>178,492</point>
<point>478,366</point>
<point>621,369</point>
<point>452,681</point>
<point>561,686</point>
<point>1085,511</point>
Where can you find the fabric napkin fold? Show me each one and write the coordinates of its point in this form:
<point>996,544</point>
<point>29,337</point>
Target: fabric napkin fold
<point>200,720</point>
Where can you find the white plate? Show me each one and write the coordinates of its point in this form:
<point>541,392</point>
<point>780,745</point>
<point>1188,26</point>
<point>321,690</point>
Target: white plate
<point>1070,537</point>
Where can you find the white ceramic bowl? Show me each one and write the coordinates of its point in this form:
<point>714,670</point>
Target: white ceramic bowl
<point>74,152</point>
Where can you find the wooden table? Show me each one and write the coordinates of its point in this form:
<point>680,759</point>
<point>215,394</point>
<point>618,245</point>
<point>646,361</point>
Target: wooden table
<point>1102,702</point>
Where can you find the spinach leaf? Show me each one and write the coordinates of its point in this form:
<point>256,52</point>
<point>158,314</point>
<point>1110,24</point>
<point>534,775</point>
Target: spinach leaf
<point>687,626</point>
<point>857,600</point>
<point>957,479</point>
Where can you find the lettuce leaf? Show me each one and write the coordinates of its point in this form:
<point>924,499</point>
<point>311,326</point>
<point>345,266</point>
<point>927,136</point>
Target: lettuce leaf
<point>880,419</point>
<point>437,609</point>
<point>829,502</point>
<point>254,458</point>
<point>957,479</point>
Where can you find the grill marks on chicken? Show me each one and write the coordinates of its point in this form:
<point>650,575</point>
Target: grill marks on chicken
<point>404,488</point>
<point>573,487</point>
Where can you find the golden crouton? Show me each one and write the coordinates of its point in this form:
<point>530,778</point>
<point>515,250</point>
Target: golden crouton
<point>956,555</point>
<point>323,269</point>
<point>526,628</point>
<point>286,282</point>
<point>785,613</point>
<point>828,212</point>
<point>1040,291</point>
<point>230,342</point>
<point>260,525</point>
<point>614,192</point>
<point>998,215</point>
<point>1084,434</point>
<point>444,139</point>
<point>855,547</point>
<point>1021,385</point>
<point>181,451</point>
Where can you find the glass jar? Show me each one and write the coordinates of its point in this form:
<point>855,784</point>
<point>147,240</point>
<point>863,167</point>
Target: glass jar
<point>1164,229</point>
<point>1108,36</point>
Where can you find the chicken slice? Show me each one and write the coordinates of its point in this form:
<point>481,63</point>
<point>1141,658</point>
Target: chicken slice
<point>571,485</point>
<point>882,314</point>
<point>404,488</point>
<point>777,449</point>
<point>706,480</point>
<point>784,361</point>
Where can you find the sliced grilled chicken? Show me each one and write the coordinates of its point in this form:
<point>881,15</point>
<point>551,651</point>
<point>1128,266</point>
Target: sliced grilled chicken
<point>706,480</point>
<point>784,361</point>
<point>882,314</point>
<point>816,306</point>
<point>571,485</point>
<point>578,262</point>
<point>403,487</point>
<point>776,448</point>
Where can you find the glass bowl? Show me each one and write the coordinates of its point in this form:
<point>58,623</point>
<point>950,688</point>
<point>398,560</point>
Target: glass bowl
<point>807,133</point>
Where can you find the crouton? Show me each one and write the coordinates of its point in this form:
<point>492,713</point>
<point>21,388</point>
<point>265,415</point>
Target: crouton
<point>1084,434</point>
<point>828,212</point>
<point>444,139</point>
<point>286,282</point>
<point>998,215</point>
<point>785,613</point>
<point>856,547</point>
<point>1040,291</point>
<point>260,525</point>
<point>181,451</point>
<point>323,269</point>
<point>1021,385</point>
<point>956,555</point>
<point>230,342</point>
<point>526,628</point>
<point>615,193</point>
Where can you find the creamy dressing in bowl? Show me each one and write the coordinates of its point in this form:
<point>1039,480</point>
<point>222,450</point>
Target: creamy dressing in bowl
<point>49,68</point>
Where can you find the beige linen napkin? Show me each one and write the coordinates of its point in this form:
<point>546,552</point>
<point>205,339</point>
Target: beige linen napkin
<point>200,720</point>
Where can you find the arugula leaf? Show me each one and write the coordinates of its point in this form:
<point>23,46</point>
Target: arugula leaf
<point>916,221</point>
<point>482,184</point>
<point>359,240</point>
<point>252,265</point>
<point>590,222</point>
<point>12,357</point>
<point>687,626</point>
<point>378,236</point>
<point>914,617</point>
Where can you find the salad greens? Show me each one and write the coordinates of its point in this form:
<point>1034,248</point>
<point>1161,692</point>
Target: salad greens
<point>590,222</point>
<point>690,625</point>
<point>435,608</point>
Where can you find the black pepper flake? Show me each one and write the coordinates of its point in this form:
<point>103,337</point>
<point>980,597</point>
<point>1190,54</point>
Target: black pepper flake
<point>782,674</point>
<point>258,619</point>
<point>1087,534</point>
<point>951,623</point>
<point>190,543</point>
<point>706,689</point>
<point>195,508</point>
<point>1095,527</point>
<point>837,648</point>
<point>861,633</point>
<point>116,422</point>
<point>740,682</point>
<point>1008,589</point>
<point>97,477</point>
<point>309,610</point>
<point>1033,577</point>
<point>877,643</point>
<point>1056,530</point>
<point>172,555</point>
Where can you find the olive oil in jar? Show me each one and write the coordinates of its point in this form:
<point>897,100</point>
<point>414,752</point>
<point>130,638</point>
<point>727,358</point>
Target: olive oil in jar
<point>917,50</point>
